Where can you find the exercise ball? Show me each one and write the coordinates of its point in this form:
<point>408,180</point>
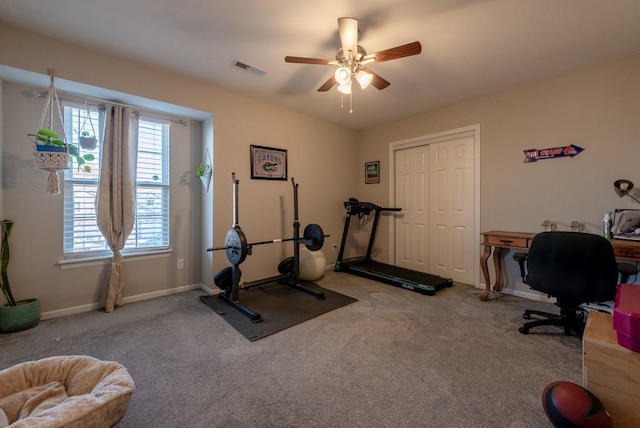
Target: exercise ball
<point>569,405</point>
<point>312,264</point>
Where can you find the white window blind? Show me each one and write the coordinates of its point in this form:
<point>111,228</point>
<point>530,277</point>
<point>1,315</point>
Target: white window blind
<point>151,226</point>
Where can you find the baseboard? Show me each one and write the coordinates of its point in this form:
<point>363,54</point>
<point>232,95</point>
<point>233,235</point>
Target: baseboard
<point>528,295</point>
<point>210,291</point>
<point>531,295</point>
<point>129,299</point>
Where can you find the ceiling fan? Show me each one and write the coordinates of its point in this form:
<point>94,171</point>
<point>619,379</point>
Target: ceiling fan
<point>352,60</point>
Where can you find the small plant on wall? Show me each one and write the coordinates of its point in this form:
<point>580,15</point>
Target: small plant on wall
<point>205,171</point>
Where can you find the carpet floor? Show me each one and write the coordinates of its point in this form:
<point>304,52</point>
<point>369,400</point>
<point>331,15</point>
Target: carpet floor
<point>393,358</point>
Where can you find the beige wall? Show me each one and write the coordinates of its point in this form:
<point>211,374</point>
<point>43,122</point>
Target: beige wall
<point>322,158</point>
<point>597,109</point>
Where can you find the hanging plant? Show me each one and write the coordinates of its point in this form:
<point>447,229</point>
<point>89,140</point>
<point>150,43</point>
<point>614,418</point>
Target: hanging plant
<point>87,141</point>
<point>52,151</point>
<point>48,141</point>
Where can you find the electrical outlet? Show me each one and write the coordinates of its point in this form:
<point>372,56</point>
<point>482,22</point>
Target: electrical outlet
<point>180,264</point>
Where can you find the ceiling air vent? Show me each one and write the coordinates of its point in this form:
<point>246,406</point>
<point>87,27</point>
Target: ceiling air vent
<point>248,68</point>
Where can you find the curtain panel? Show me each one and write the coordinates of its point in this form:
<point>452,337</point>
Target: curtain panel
<point>115,200</point>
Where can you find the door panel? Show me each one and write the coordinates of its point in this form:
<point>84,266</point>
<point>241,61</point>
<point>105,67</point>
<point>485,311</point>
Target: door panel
<point>435,189</point>
<point>451,170</point>
<point>411,186</point>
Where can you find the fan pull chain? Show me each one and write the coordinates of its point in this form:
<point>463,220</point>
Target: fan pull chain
<point>350,102</point>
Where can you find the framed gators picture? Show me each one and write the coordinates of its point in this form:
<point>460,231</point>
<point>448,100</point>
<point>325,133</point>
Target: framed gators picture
<point>268,163</point>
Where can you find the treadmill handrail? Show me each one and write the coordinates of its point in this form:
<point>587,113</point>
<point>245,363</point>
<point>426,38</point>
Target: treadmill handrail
<point>353,207</point>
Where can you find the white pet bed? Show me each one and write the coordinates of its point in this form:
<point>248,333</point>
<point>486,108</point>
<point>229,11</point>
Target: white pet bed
<point>66,391</point>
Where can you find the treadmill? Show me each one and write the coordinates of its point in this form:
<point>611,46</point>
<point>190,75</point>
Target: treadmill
<point>423,283</point>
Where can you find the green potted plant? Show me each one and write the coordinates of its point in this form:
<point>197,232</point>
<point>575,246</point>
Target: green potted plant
<point>87,140</point>
<point>16,315</point>
<point>46,140</point>
<point>204,171</point>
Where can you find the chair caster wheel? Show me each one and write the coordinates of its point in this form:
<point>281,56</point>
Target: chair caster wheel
<point>523,330</point>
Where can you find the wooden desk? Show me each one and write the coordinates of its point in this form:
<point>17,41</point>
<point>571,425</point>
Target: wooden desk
<point>497,241</point>
<point>629,250</point>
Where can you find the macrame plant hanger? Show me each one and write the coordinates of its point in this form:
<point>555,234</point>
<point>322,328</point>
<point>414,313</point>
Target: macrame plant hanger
<point>51,158</point>
<point>87,141</point>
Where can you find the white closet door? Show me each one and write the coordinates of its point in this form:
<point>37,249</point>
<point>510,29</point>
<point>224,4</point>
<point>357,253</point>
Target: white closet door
<point>412,227</point>
<point>434,186</point>
<point>452,209</point>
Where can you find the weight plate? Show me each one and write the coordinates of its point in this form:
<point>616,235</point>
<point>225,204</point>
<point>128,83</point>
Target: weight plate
<point>224,278</point>
<point>315,236</point>
<point>237,248</point>
<point>285,267</point>
<point>220,276</point>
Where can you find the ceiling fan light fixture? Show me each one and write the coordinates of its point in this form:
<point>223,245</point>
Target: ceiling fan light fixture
<point>343,75</point>
<point>345,88</point>
<point>364,79</point>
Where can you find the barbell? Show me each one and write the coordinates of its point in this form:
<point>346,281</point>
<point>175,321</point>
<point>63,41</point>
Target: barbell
<point>237,248</point>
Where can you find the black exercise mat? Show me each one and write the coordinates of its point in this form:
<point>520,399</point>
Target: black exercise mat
<point>279,305</point>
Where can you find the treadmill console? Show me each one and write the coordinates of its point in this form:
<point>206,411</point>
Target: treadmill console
<point>353,207</point>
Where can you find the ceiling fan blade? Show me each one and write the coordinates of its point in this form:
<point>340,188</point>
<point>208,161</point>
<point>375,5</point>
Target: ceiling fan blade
<point>409,49</point>
<point>348,29</point>
<point>377,82</point>
<point>302,60</point>
<point>328,85</point>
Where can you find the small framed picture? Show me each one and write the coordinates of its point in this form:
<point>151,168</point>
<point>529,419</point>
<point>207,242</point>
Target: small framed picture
<point>372,172</point>
<point>268,163</point>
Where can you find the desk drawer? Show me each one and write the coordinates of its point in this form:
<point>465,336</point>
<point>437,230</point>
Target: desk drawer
<point>507,241</point>
<point>626,251</point>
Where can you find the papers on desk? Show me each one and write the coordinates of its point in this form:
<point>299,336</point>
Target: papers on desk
<point>606,307</point>
<point>626,224</point>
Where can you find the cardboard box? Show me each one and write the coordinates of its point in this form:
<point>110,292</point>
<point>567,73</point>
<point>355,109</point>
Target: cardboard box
<point>610,371</point>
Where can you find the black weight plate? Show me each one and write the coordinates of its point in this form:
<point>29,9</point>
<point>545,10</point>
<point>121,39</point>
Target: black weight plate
<point>220,276</point>
<point>315,236</point>
<point>224,278</point>
<point>237,248</point>
<point>285,267</point>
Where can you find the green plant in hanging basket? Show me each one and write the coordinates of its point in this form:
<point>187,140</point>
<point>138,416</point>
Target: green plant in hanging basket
<point>48,138</point>
<point>87,140</point>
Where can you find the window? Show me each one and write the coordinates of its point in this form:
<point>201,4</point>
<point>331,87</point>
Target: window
<point>151,226</point>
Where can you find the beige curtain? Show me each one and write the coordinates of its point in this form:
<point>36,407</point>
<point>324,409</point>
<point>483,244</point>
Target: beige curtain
<point>115,201</point>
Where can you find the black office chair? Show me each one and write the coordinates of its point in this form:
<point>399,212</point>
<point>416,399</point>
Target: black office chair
<point>573,267</point>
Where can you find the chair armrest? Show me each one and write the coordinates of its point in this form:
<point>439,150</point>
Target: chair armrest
<point>521,258</point>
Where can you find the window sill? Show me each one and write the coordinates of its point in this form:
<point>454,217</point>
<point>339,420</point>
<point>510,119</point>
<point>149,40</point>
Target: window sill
<point>101,260</point>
